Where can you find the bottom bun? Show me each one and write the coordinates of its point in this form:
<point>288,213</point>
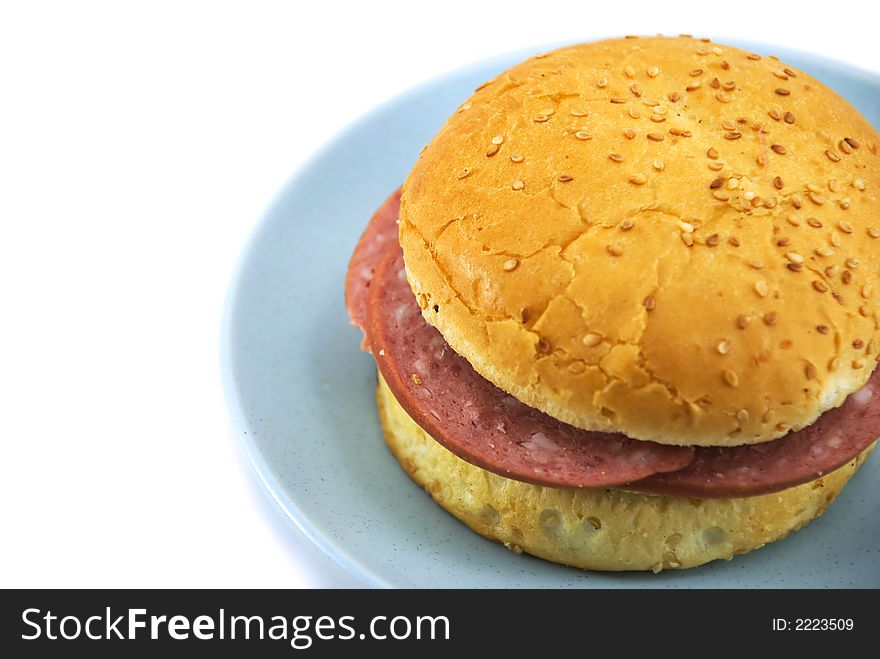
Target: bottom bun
<point>601,529</point>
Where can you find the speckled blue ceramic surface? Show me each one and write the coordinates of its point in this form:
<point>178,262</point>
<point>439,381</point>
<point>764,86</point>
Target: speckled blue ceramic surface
<point>301,392</point>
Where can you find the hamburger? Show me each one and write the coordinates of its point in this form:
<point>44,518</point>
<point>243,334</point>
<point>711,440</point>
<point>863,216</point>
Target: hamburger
<point>625,308</point>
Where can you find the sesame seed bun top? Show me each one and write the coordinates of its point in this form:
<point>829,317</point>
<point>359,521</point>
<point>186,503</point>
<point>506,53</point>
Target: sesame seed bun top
<point>664,237</point>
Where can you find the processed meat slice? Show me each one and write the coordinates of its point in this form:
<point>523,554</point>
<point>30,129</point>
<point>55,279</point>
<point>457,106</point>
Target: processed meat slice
<point>380,233</point>
<point>837,437</point>
<point>481,423</point>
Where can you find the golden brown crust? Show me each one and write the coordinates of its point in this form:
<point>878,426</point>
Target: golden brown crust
<point>717,286</point>
<point>605,529</point>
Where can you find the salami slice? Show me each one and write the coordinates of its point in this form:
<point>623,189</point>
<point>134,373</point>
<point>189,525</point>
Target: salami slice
<point>374,241</point>
<point>837,437</point>
<point>481,423</point>
<point>491,429</point>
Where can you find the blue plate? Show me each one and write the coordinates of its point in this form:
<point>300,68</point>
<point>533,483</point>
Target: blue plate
<point>301,392</point>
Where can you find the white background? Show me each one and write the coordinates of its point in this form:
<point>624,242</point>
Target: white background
<point>139,143</point>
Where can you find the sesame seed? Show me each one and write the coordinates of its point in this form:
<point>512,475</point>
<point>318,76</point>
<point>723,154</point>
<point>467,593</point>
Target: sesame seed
<point>824,251</point>
<point>687,239</point>
<point>591,339</point>
<point>835,239</point>
<point>712,153</point>
<point>629,71</point>
<point>576,112</point>
<point>820,286</point>
<point>510,265</point>
<point>846,277</point>
<point>732,135</point>
<point>464,173</point>
<point>789,118</point>
<point>717,51</point>
<point>627,224</point>
<point>518,184</point>
<point>775,115</point>
<point>793,220</point>
<point>673,96</point>
<point>658,165</point>
<point>778,148</point>
<point>843,146</point>
<point>721,196</point>
<point>687,227</point>
<point>742,321</point>
<point>812,187</point>
<point>653,71</point>
<point>713,240</point>
<point>794,257</point>
<point>742,416</point>
<point>789,72</point>
<point>866,291</point>
<point>716,183</point>
<point>778,183</point>
<point>602,83</point>
<point>852,142</point>
<point>771,318</point>
<point>498,139</point>
<point>721,97</point>
<point>816,198</point>
<point>614,250</point>
<point>834,364</point>
<point>651,103</point>
<point>864,311</point>
<point>761,288</point>
<point>781,91</point>
<point>834,185</point>
<point>658,118</point>
<point>813,222</point>
<point>858,363</point>
<point>753,56</point>
<point>541,118</point>
<point>731,378</point>
<point>852,263</point>
<point>492,150</point>
<point>693,85</point>
<point>629,133</point>
<point>782,242</point>
<point>795,267</point>
<point>723,347</point>
<point>874,232</point>
<point>770,202</point>
<point>823,329</point>
<point>583,135</point>
<point>415,378</point>
<point>656,137</point>
<point>732,183</point>
<point>638,179</point>
<point>636,91</point>
<point>716,166</point>
<point>810,372</point>
<point>845,203</point>
<point>615,157</point>
<point>617,100</point>
<point>840,299</point>
<point>831,270</point>
<point>728,125</point>
<point>858,344</point>
<point>715,83</point>
<point>729,86</point>
<point>515,157</point>
<point>696,72</point>
<point>859,184</point>
<point>650,303</point>
<point>779,73</point>
<point>733,240</point>
<point>564,178</point>
<point>845,226</point>
<point>757,264</point>
<point>634,113</point>
<point>833,157</point>
<point>543,346</point>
